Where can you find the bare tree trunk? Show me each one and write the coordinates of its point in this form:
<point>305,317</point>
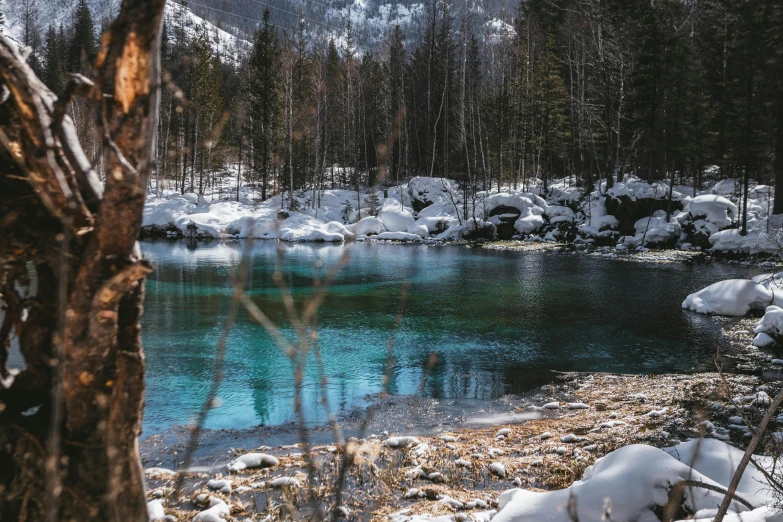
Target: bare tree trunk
<point>76,457</point>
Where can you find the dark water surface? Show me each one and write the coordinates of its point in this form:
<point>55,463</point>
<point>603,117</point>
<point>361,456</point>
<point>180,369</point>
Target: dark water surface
<point>496,321</point>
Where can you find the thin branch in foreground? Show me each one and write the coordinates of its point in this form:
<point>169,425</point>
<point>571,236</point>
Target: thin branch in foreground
<point>220,354</point>
<point>735,480</point>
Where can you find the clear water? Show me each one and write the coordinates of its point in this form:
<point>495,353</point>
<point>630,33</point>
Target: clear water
<point>496,321</point>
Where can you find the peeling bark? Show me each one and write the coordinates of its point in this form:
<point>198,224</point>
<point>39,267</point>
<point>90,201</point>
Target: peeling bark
<point>87,466</point>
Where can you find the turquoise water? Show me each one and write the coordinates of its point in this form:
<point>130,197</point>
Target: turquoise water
<point>496,322</point>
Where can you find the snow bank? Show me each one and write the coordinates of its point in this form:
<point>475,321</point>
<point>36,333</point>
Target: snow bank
<point>438,204</point>
<point>395,217</point>
<point>714,209</point>
<point>732,241</point>
<point>734,297</point>
<point>769,327</point>
<point>655,229</point>
<point>398,236</point>
<point>559,214</point>
<point>368,226</point>
<point>635,188</point>
<point>634,480</point>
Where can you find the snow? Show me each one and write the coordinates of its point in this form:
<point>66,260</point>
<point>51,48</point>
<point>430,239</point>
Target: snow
<point>253,460</point>
<point>155,511</point>
<point>285,482</point>
<point>497,469</point>
<point>216,513</point>
<point>731,240</point>
<point>401,442</point>
<point>654,229</point>
<point>634,188</point>
<point>368,226</point>
<point>441,205</point>
<point>398,236</point>
<point>732,297</point>
<point>396,218</point>
<point>715,209</point>
<point>634,479</point>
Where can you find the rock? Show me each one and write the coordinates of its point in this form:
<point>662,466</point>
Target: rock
<point>762,398</point>
<point>497,469</point>
<point>416,472</point>
<point>155,511</point>
<point>285,482</point>
<point>517,481</point>
<point>342,512</point>
<point>552,406</point>
<point>451,447</point>
<point>452,502</point>
<point>253,460</point>
<point>220,485</point>
<point>158,472</point>
<point>420,449</point>
<point>570,438</point>
<point>657,413</point>
<point>401,442</point>
<point>436,476</point>
<point>476,503</point>
<point>561,450</point>
<point>537,462</point>
<point>411,493</point>
<point>591,447</point>
<point>448,438</point>
<point>216,513</point>
<point>577,406</point>
<point>505,432</point>
<point>546,435</point>
<point>462,463</point>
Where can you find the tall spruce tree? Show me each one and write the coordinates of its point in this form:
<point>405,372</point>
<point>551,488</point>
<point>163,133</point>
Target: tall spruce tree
<point>53,70</point>
<point>263,93</point>
<point>83,48</point>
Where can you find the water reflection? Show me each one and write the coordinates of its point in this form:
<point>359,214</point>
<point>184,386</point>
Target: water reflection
<point>497,321</point>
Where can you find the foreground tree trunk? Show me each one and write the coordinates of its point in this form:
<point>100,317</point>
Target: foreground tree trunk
<point>71,280</point>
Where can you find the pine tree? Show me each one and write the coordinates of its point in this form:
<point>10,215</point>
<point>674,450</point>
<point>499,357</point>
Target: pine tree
<point>552,98</point>
<point>83,49</point>
<point>53,73</point>
<point>263,92</point>
<point>397,116</point>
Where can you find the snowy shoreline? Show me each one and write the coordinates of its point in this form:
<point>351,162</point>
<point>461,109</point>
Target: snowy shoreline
<point>473,470</point>
<point>631,216</point>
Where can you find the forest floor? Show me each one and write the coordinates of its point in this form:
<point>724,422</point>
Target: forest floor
<point>554,433</point>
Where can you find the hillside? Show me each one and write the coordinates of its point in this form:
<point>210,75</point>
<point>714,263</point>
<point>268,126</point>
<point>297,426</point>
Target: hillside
<point>234,22</point>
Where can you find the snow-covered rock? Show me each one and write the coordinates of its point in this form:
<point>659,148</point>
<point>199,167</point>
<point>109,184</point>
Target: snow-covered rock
<point>714,209</point>
<point>401,442</point>
<point>155,511</point>
<point>733,297</point>
<point>368,226</point>
<point>498,469</point>
<point>634,479</point>
<point>253,460</point>
<point>395,217</point>
<point>216,513</point>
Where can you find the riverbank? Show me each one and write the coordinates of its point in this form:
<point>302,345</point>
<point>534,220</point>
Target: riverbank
<point>630,215</point>
<point>543,440</point>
